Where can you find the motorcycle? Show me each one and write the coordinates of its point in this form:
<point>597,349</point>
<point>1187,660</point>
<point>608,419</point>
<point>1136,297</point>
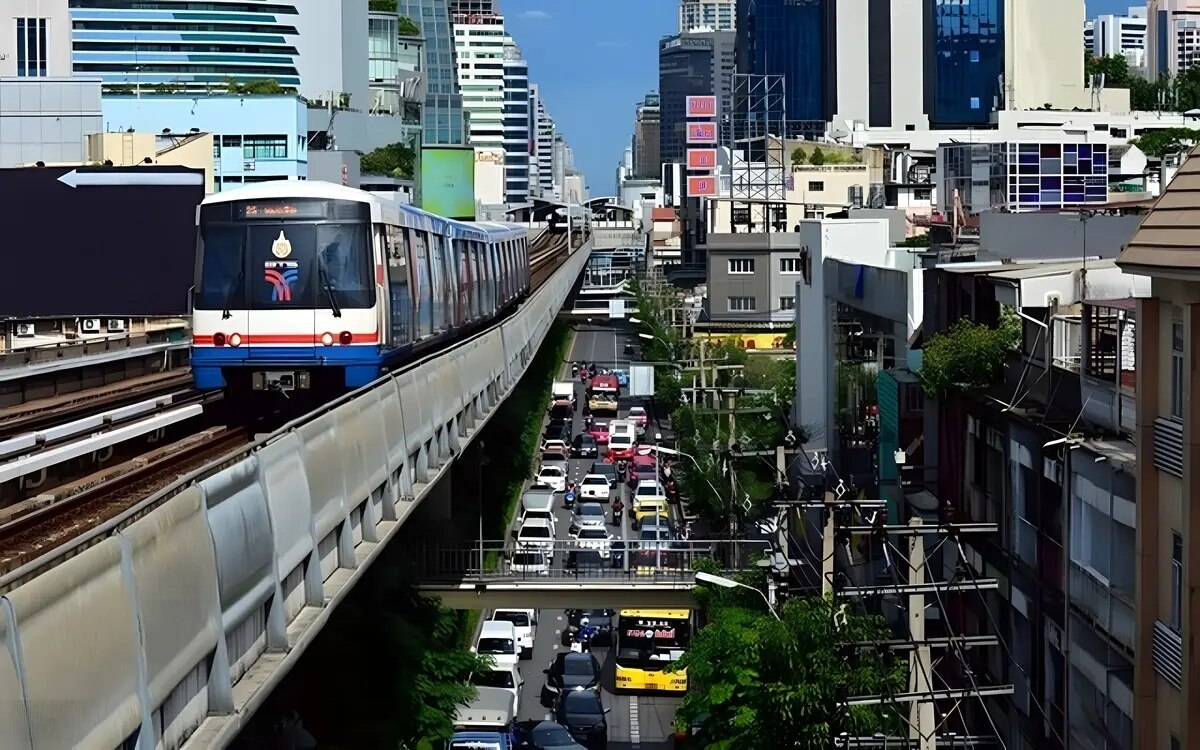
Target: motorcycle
<point>569,497</point>
<point>579,639</point>
<point>618,510</point>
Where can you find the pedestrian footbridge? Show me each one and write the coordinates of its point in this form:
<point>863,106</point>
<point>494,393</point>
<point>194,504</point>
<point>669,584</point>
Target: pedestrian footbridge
<point>169,625</point>
<point>568,575</point>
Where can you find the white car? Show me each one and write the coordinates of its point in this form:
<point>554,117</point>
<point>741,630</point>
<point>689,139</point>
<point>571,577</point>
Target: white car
<point>589,516</point>
<point>523,621</point>
<point>593,538</point>
<point>640,419</point>
<point>499,641</point>
<point>554,477</point>
<point>649,488</point>
<point>595,487</point>
<point>529,562</point>
<point>504,676</point>
<point>536,534</point>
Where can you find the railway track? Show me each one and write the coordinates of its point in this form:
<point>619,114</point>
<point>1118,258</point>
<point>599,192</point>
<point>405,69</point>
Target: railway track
<point>50,412</point>
<point>38,525</point>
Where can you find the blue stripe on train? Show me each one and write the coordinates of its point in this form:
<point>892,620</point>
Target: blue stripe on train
<point>362,363</point>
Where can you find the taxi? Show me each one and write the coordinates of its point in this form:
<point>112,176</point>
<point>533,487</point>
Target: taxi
<point>644,507</point>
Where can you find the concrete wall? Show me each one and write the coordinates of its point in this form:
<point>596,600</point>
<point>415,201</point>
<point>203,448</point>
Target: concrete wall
<point>1031,236</point>
<point>333,50</point>
<point>130,149</point>
<point>47,119</point>
<point>58,34</point>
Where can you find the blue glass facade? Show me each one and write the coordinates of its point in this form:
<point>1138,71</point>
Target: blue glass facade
<point>968,60</point>
<point>443,111</point>
<point>790,38</point>
<point>184,45</point>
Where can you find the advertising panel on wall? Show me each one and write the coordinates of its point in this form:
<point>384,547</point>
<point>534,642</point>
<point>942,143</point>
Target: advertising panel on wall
<point>448,181</point>
<point>701,158</point>
<point>702,132</point>
<point>699,186</point>
<point>98,241</point>
<point>489,176</point>
<point>702,106</point>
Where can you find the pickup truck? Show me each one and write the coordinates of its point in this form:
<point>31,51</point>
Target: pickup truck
<point>562,394</point>
<point>486,722</point>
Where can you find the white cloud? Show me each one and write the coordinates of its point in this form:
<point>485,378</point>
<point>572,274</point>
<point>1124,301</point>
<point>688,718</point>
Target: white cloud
<point>535,15</point>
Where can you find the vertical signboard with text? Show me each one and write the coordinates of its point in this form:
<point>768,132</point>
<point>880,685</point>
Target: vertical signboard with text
<point>702,139</point>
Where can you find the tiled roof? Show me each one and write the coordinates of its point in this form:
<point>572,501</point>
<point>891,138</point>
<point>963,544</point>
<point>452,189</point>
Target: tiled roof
<point>1168,239</point>
<point>664,214</point>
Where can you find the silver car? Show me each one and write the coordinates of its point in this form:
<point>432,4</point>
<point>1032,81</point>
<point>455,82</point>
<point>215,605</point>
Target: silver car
<point>589,516</point>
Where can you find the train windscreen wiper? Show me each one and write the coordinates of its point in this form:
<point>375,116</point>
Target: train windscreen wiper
<point>226,314</point>
<point>328,287</point>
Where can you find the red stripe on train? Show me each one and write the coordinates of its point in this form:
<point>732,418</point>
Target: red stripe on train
<point>285,338</point>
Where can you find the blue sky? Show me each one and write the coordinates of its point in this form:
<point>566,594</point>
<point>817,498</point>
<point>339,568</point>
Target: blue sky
<point>595,59</point>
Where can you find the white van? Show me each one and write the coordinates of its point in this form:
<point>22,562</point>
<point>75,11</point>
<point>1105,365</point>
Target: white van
<point>539,503</point>
<point>502,676</point>
<point>622,436</point>
<point>498,640</point>
<point>523,621</point>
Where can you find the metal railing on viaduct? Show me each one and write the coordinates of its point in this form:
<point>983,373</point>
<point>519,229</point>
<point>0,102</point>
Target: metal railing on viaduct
<point>169,625</point>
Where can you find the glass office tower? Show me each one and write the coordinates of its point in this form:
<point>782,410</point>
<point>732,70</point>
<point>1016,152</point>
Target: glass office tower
<point>443,112</point>
<point>967,61</point>
<point>790,38</point>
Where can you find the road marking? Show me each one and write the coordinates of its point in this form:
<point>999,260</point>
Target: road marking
<point>635,731</point>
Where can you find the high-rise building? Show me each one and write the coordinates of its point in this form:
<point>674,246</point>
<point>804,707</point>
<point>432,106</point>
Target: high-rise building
<point>472,7</point>
<point>874,53</point>
<point>543,143</point>
<point>964,66</point>
<point>1172,36</point>
<point>1118,35</point>
<point>444,121</point>
<point>479,48</point>
<point>697,63</point>
<point>794,39</point>
<point>712,15</point>
<point>647,158</point>
<point>163,46</point>
<point>516,125</point>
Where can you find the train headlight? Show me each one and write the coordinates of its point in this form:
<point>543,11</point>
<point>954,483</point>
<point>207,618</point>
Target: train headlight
<point>345,337</point>
<point>218,339</point>
<point>235,339</point>
<point>327,339</point>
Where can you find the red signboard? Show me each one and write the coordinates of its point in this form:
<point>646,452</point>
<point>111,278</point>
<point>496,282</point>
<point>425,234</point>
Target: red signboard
<point>702,106</point>
<point>700,186</point>
<point>702,132</point>
<point>702,158</point>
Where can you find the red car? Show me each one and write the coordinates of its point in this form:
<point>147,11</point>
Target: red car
<point>642,467</point>
<point>599,431</point>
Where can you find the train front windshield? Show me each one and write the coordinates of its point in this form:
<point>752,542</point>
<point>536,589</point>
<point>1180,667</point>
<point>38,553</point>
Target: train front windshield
<point>285,254</point>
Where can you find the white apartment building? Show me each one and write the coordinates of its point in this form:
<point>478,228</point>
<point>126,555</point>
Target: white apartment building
<point>479,49</point>
<point>715,15</point>
<point>517,132</point>
<point>1172,36</point>
<point>1118,35</point>
<point>544,146</point>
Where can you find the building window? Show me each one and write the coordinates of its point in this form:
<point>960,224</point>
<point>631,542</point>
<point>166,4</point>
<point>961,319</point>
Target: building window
<point>923,194</point>
<point>787,303</point>
<point>790,265</point>
<point>1177,370</point>
<point>1176,581</point>
<point>816,186</point>
<point>265,147</point>
<point>31,47</point>
<point>814,212</point>
<point>741,265</point>
<point>742,304</point>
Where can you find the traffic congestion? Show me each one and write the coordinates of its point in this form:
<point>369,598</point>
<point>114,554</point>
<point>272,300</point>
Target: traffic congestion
<point>601,496</point>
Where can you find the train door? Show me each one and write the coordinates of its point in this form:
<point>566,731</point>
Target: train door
<point>438,281</point>
<point>422,285</point>
<point>480,279</point>
<point>493,287</point>
<point>450,267</point>
<point>462,257</point>
<point>282,280</point>
<point>397,280</point>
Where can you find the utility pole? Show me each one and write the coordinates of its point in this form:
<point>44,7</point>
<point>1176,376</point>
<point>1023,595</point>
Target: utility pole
<point>731,404</point>
<point>921,721</point>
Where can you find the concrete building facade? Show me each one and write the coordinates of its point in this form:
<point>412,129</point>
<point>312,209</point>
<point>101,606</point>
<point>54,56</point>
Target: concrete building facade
<point>876,44</point>
<point>647,154</point>
<point>517,133</point>
<point>444,121</point>
<point>1124,35</point>
<point>479,51</point>
<point>255,138</point>
<point>714,15</point>
<point>1172,36</point>
<point>696,63</point>
<point>35,39</point>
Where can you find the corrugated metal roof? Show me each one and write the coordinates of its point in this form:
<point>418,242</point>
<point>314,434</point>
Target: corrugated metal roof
<point>1168,239</point>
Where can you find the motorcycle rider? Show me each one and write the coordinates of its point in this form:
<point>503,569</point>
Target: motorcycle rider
<point>618,508</point>
<point>569,495</point>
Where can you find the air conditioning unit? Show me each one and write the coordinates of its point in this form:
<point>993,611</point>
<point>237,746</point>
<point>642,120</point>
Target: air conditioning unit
<point>116,325</point>
<point>90,325</point>
<point>25,330</point>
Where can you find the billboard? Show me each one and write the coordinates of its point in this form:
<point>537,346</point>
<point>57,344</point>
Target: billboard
<point>701,132</point>
<point>448,181</point>
<point>489,176</point>
<point>701,158</point>
<point>702,186</point>
<point>98,241</point>
<point>702,106</point>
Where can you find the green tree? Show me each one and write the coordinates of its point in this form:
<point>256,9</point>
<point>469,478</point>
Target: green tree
<point>382,6</point>
<point>818,157</point>
<point>967,356</point>
<point>261,86</point>
<point>799,155</point>
<point>407,27</point>
<point>758,682</point>
<point>395,159</point>
<point>1159,143</point>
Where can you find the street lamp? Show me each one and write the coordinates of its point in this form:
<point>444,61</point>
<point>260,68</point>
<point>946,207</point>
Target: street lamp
<point>729,583</point>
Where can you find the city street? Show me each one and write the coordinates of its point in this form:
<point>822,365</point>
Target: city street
<point>640,721</point>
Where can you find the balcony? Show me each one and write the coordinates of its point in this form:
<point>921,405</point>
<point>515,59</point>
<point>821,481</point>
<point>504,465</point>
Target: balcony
<point>1168,654</point>
<point>1108,375</point>
<point>1108,610</point>
<point>1168,446</point>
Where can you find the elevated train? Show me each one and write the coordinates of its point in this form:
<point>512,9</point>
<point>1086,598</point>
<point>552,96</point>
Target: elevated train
<point>306,286</point>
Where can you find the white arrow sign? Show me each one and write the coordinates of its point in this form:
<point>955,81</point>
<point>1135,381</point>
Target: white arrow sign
<point>76,179</point>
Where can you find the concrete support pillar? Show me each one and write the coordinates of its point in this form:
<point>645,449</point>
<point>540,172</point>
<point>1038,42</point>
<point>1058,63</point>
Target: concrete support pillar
<point>1191,526</point>
<point>1148,539</point>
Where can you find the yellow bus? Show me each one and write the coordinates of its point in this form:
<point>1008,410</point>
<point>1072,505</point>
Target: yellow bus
<point>647,642</point>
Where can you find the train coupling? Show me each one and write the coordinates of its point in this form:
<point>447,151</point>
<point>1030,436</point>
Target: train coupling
<point>281,380</point>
